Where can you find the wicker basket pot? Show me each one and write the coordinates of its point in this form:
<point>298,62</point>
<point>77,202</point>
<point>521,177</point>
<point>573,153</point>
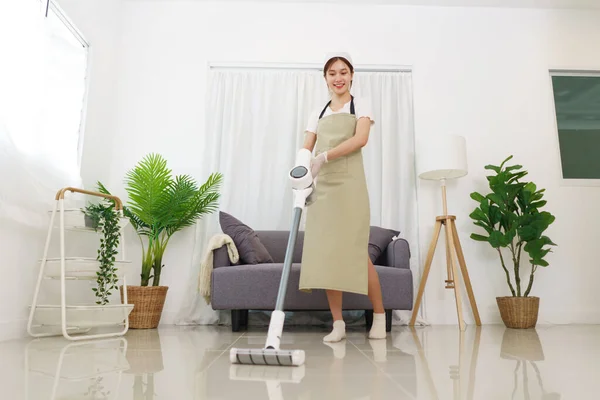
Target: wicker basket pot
<point>148,302</point>
<point>518,312</point>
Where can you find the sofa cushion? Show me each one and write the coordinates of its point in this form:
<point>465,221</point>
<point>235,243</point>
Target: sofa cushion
<point>379,239</point>
<point>249,246</point>
<point>276,244</point>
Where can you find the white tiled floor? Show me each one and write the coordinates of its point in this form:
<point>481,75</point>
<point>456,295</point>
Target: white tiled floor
<point>436,362</point>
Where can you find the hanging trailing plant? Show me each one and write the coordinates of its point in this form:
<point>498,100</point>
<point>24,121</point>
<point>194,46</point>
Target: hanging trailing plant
<point>104,218</point>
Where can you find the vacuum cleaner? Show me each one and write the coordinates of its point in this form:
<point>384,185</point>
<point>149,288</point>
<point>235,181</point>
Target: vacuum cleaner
<point>271,354</point>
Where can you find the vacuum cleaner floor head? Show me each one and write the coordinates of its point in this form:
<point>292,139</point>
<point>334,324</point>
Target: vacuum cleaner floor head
<point>279,357</point>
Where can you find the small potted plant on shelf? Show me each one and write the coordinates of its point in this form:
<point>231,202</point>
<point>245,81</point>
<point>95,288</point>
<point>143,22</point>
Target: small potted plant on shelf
<point>160,205</point>
<point>510,215</point>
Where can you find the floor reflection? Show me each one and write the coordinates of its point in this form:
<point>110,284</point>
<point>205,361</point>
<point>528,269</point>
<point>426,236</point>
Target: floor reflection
<point>145,357</point>
<point>350,369</point>
<point>434,362</point>
<point>271,376</point>
<point>456,372</point>
<point>525,348</point>
<point>57,369</point>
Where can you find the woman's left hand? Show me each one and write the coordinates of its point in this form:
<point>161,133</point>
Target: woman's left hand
<point>316,163</point>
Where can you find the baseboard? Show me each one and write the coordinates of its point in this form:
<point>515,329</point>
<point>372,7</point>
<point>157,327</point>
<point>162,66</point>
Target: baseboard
<point>168,318</point>
<point>10,330</point>
<point>550,318</point>
<point>491,318</point>
<point>569,317</point>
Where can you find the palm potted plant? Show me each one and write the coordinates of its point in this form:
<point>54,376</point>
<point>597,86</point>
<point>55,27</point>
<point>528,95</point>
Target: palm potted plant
<point>510,215</point>
<point>160,205</point>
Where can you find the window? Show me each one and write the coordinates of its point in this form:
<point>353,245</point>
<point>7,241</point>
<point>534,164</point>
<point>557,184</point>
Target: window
<point>577,107</point>
<point>43,84</point>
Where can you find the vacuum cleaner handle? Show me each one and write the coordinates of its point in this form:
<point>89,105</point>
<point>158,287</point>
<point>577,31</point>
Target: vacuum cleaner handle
<point>302,185</point>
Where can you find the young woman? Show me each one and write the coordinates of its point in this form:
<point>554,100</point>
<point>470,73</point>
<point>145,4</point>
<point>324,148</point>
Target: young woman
<point>335,252</point>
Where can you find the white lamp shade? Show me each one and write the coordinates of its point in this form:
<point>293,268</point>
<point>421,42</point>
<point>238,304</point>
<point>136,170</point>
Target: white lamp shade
<point>442,157</point>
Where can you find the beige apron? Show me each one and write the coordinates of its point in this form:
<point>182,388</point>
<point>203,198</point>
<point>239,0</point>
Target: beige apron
<point>335,251</point>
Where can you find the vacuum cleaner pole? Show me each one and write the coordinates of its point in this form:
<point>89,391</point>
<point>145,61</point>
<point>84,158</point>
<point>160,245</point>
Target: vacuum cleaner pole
<point>278,315</point>
<point>289,253</point>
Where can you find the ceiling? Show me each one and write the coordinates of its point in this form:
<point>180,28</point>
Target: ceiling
<point>577,4</point>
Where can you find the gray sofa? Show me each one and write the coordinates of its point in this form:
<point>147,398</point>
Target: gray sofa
<point>245,287</point>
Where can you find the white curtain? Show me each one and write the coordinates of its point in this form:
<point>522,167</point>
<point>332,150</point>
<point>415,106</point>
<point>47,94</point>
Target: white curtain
<point>255,125</point>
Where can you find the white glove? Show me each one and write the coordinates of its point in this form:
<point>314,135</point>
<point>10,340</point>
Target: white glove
<point>312,197</point>
<point>316,163</point>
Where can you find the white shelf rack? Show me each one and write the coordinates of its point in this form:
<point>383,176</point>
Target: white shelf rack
<point>73,321</point>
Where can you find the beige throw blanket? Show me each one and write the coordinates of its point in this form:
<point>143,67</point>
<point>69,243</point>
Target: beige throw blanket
<point>206,268</point>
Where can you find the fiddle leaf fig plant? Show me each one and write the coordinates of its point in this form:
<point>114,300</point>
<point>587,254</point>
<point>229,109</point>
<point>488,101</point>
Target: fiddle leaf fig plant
<point>511,218</point>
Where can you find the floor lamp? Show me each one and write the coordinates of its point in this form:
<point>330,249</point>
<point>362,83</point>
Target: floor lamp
<point>441,158</point>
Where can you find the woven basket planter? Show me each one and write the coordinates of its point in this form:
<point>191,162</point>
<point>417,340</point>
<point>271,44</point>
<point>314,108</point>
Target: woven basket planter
<point>518,312</point>
<point>148,302</point>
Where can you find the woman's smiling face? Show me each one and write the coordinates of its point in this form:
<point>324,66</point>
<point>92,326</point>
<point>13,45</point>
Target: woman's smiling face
<point>338,77</point>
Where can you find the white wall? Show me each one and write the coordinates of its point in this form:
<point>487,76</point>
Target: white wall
<point>100,23</point>
<point>22,245</point>
<point>478,72</point>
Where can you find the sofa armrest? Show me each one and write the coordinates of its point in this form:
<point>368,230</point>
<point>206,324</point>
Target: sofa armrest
<point>398,254</point>
<point>221,257</point>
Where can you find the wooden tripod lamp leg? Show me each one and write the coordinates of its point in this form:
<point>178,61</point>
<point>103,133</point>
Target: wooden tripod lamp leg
<point>457,294</point>
<point>465,273</point>
<point>430,253</point>
<point>450,278</point>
